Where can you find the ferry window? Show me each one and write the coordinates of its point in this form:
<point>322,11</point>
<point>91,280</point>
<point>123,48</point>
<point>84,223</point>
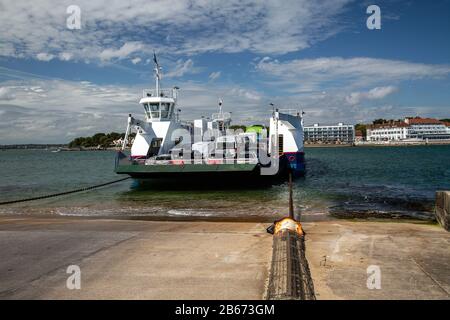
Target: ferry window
<point>171,110</point>
<point>154,107</point>
<point>156,143</point>
<point>147,113</point>
<point>165,110</point>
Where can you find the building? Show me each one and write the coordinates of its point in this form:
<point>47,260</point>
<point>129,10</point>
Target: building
<point>427,128</point>
<point>410,129</point>
<point>447,124</point>
<point>340,133</point>
<point>390,131</point>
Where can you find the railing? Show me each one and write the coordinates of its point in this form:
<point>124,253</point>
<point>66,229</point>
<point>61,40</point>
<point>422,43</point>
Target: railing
<point>292,112</point>
<point>124,159</point>
<point>221,116</point>
<point>165,93</point>
<point>210,161</point>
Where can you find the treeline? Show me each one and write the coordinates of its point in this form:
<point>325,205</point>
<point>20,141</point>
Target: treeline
<point>102,140</point>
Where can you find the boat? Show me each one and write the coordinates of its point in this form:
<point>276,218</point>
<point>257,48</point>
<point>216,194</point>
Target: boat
<point>166,147</point>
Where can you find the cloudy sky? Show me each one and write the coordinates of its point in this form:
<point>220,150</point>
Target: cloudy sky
<point>58,83</point>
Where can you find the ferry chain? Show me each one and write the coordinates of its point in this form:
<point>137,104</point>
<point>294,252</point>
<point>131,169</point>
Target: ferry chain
<point>63,193</point>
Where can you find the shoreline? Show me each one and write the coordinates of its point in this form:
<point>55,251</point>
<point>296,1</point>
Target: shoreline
<point>64,147</point>
<point>415,144</point>
<point>331,214</point>
<point>310,218</point>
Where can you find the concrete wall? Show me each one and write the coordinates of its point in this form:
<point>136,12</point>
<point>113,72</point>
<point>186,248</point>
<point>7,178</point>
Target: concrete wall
<point>442,210</point>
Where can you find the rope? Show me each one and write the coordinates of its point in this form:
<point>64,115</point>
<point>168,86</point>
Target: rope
<point>63,193</point>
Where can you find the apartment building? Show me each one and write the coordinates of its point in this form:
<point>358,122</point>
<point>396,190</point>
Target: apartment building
<point>340,133</point>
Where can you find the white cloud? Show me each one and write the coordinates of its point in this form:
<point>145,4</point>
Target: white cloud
<point>6,94</point>
<point>65,56</point>
<point>123,52</point>
<point>181,68</point>
<point>115,29</point>
<point>303,75</point>
<point>42,111</point>
<point>42,56</point>
<point>58,111</point>
<point>136,60</point>
<point>251,95</point>
<point>375,93</point>
<point>333,89</point>
<point>214,75</point>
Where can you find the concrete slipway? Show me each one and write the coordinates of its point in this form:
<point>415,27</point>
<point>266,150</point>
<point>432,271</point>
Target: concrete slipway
<point>125,259</point>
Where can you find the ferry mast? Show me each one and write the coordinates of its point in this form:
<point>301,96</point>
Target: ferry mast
<point>157,74</point>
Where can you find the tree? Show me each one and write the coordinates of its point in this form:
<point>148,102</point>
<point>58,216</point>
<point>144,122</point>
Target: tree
<point>379,121</point>
<point>99,139</point>
<point>236,127</point>
<point>361,127</point>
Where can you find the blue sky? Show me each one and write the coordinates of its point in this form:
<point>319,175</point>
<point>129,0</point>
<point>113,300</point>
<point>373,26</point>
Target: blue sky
<point>57,84</point>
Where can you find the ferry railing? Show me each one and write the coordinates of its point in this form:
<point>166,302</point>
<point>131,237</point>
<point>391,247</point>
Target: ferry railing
<point>221,116</point>
<point>292,112</point>
<point>165,93</point>
<point>209,161</point>
<point>124,159</point>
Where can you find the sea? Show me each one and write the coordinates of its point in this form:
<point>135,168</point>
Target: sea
<point>350,182</point>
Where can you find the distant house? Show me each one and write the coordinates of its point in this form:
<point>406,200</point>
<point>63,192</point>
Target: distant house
<point>118,143</point>
<point>409,129</point>
<point>390,131</point>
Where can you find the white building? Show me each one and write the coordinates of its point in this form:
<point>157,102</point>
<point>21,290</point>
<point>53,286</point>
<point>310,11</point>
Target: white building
<point>427,128</point>
<point>388,132</point>
<point>340,133</point>
<point>411,128</point>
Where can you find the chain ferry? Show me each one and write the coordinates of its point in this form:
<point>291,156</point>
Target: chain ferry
<point>165,147</point>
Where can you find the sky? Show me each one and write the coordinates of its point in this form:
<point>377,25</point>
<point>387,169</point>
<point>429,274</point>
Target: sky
<point>58,82</point>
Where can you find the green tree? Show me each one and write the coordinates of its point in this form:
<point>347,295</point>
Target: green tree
<point>361,127</point>
<point>237,126</point>
<point>102,139</point>
<point>379,121</point>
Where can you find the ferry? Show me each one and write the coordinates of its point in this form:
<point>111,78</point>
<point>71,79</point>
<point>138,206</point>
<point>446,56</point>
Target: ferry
<point>165,147</point>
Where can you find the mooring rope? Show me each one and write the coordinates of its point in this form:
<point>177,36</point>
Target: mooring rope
<point>63,193</point>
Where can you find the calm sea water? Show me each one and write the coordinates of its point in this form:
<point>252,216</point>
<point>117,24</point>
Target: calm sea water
<point>362,181</point>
